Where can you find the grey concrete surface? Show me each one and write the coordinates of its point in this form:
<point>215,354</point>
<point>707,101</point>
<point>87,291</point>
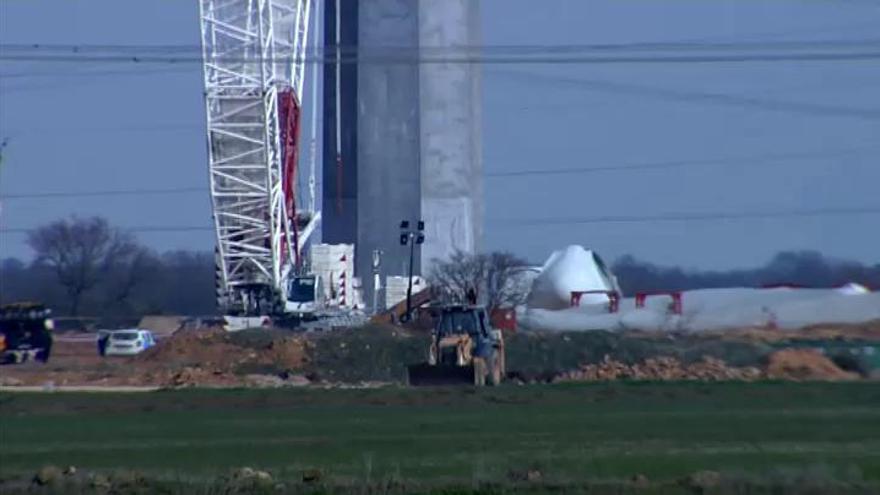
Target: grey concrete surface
<point>450,125</point>
<point>411,133</point>
<point>388,136</point>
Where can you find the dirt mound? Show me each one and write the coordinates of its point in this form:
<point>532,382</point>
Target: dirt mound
<point>217,347</point>
<point>660,368</point>
<point>858,331</point>
<point>161,325</point>
<point>869,331</point>
<point>202,347</point>
<point>288,353</point>
<point>804,364</point>
<point>217,358</point>
<point>375,353</point>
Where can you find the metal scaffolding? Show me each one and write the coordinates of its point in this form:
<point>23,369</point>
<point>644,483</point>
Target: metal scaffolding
<point>254,71</point>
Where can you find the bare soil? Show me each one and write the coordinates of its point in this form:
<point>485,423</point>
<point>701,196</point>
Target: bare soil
<point>662,368</point>
<point>210,357</point>
<point>869,331</point>
<point>805,364</point>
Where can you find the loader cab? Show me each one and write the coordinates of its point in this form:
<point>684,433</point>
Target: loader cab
<point>459,320</point>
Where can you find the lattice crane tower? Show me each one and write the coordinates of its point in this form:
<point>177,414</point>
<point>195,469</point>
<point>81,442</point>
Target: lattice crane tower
<point>254,55</point>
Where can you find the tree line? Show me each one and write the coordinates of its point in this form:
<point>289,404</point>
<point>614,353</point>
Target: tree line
<point>86,266</point>
<point>807,269</point>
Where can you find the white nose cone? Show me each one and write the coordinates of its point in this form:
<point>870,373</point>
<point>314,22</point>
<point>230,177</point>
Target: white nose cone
<point>853,289</point>
<point>569,270</point>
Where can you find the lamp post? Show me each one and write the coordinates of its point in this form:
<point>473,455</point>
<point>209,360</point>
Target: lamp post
<point>411,237</point>
<point>377,279</point>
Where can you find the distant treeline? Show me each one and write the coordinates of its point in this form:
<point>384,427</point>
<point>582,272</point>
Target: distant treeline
<point>182,282</point>
<point>87,267</point>
<point>179,283</point>
<point>800,268</point>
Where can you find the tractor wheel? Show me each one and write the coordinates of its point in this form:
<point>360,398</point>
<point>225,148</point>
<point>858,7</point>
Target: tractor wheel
<point>495,371</point>
<point>480,371</point>
<point>432,354</point>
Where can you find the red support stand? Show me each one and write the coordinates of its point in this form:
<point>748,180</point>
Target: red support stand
<point>613,298</point>
<point>677,304</point>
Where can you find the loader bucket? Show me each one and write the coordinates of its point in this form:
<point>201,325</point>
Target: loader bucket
<point>425,375</point>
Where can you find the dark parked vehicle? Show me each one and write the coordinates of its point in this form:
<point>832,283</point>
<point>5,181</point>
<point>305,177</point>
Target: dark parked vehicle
<point>25,332</point>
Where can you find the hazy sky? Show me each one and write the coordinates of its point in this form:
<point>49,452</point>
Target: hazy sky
<point>756,137</point>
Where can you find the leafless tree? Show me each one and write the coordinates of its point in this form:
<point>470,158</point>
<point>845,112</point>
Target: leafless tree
<point>82,252</point>
<point>492,276</point>
<point>125,277</point>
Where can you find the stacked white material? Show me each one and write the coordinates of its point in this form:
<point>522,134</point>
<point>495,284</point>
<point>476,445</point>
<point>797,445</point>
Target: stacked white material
<point>717,309</point>
<point>334,265</point>
<point>396,287</point>
<point>571,269</point>
<point>358,292</point>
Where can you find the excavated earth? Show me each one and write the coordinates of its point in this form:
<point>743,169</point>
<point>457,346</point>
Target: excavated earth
<point>207,357</point>
<point>210,357</point>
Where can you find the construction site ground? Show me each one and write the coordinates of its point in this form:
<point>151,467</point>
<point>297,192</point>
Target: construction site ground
<point>605,437</point>
<point>377,355</point>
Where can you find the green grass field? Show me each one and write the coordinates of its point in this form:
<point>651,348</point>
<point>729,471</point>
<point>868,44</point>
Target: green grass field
<point>572,434</point>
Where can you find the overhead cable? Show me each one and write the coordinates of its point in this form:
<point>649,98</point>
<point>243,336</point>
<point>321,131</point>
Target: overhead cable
<point>608,219</point>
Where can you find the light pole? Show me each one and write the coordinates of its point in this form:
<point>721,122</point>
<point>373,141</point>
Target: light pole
<point>411,237</point>
<point>3,145</point>
<point>377,279</point>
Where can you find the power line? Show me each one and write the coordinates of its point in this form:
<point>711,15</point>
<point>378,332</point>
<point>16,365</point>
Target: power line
<point>535,53</point>
<point>680,45</point>
<point>139,229</point>
<point>768,35</point>
<point>610,219</point>
<point>485,60</point>
<point>23,87</point>
<point>134,71</point>
<point>688,217</point>
<point>106,130</point>
<point>745,161</point>
<point>114,192</point>
<point>813,109</point>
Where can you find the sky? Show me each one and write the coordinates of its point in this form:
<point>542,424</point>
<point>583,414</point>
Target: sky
<point>671,140</point>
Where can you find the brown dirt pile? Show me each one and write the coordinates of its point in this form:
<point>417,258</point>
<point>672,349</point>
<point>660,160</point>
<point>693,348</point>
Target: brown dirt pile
<point>805,364</point>
<point>204,357</point>
<point>290,353</point>
<point>217,358</point>
<point>786,364</point>
<point>660,368</point>
<point>204,348</point>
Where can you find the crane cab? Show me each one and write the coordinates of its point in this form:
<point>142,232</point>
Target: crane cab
<point>304,296</point>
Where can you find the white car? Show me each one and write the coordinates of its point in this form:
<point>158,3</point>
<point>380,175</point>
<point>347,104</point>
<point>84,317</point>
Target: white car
<point>129,342</point>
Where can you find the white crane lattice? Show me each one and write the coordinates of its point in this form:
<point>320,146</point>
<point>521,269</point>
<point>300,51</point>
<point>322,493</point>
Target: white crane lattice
<point>254,71</point>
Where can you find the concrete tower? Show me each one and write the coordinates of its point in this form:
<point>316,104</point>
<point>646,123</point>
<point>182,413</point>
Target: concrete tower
<point>450,129</point>
<point>410,129</point>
